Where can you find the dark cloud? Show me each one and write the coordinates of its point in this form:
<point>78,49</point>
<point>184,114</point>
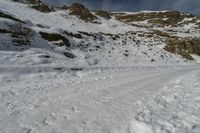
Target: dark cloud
<point>190,6</point>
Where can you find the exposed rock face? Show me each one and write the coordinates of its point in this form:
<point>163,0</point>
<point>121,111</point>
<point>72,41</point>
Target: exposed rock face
<point>38,5</point>
<point>69,55</point>
<point>183,46</point>
<point>64,7</point>
<point>196,46</point>
<point>174,44</point>
<point>42,7</point>
<point>55,37</point>
<point>168,18</point>
<point>103,14</point>
<point>5,15</point>
<point>81,12</point>
<point>21,35</point>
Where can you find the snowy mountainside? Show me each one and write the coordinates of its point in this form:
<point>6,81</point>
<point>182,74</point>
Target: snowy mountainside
<point>101,42</point>
<point>71,70</point>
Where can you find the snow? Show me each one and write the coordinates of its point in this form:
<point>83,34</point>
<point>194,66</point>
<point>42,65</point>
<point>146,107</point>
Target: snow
<point>131,87</point>
<point>196,57</point>
<point>139,127</point>
<point>176,108</point>
<point>60,20</point>
<point>44,100</point>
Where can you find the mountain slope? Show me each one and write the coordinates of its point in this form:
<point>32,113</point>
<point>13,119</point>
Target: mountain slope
<point>102,42</point>
<point>69,69</point>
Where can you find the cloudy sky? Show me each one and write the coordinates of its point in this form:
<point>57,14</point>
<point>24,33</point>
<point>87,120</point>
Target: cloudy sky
<point>190,6</point>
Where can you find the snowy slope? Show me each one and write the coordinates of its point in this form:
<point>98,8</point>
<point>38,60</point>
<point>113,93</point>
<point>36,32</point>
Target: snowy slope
<point>107,43</point>
<point>60,19</point>
<point>115,77</point>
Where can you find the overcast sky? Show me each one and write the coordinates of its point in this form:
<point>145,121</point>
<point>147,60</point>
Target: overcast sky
<point>190,6</point>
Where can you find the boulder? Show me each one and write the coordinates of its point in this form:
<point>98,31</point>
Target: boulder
<point>55,37</point>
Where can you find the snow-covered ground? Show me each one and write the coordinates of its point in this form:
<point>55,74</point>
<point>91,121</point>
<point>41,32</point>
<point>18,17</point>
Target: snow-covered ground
<point>121,100</point>
<point>120,81</point>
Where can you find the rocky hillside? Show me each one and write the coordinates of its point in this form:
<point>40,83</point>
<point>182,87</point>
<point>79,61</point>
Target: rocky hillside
<point>74,35</point>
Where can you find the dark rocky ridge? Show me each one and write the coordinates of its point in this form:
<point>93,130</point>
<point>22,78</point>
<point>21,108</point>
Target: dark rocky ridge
<point>38,5</point>
<point>55,37</point>
<point>81,12</point>
<point>5,15</point>
<point>183,46</point>
<point>103,14</point>
<point>172,18</point>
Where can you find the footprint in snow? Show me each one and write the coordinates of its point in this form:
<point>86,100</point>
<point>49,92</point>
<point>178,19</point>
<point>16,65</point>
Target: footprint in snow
<point>13,93</point>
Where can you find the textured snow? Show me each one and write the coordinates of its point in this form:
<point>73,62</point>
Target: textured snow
<point>196,57</point>
<point>127,88</point>
<point>133,100</point>
<point>58,20</point>
<point>176,108</point>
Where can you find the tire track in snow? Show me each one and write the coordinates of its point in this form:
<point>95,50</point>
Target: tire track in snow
<point>100,106</point>
<point>175,110</point>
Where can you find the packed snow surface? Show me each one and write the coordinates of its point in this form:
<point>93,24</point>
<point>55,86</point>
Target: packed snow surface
<point>101,100</point>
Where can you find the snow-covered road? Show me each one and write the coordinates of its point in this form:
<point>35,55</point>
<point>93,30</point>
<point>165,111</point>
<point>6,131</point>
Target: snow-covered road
<point>164,100</point>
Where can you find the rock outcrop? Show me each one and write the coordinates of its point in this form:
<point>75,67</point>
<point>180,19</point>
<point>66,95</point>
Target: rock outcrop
<point>81,12</point>
<point>103,14</point>
<point>183,46</point>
